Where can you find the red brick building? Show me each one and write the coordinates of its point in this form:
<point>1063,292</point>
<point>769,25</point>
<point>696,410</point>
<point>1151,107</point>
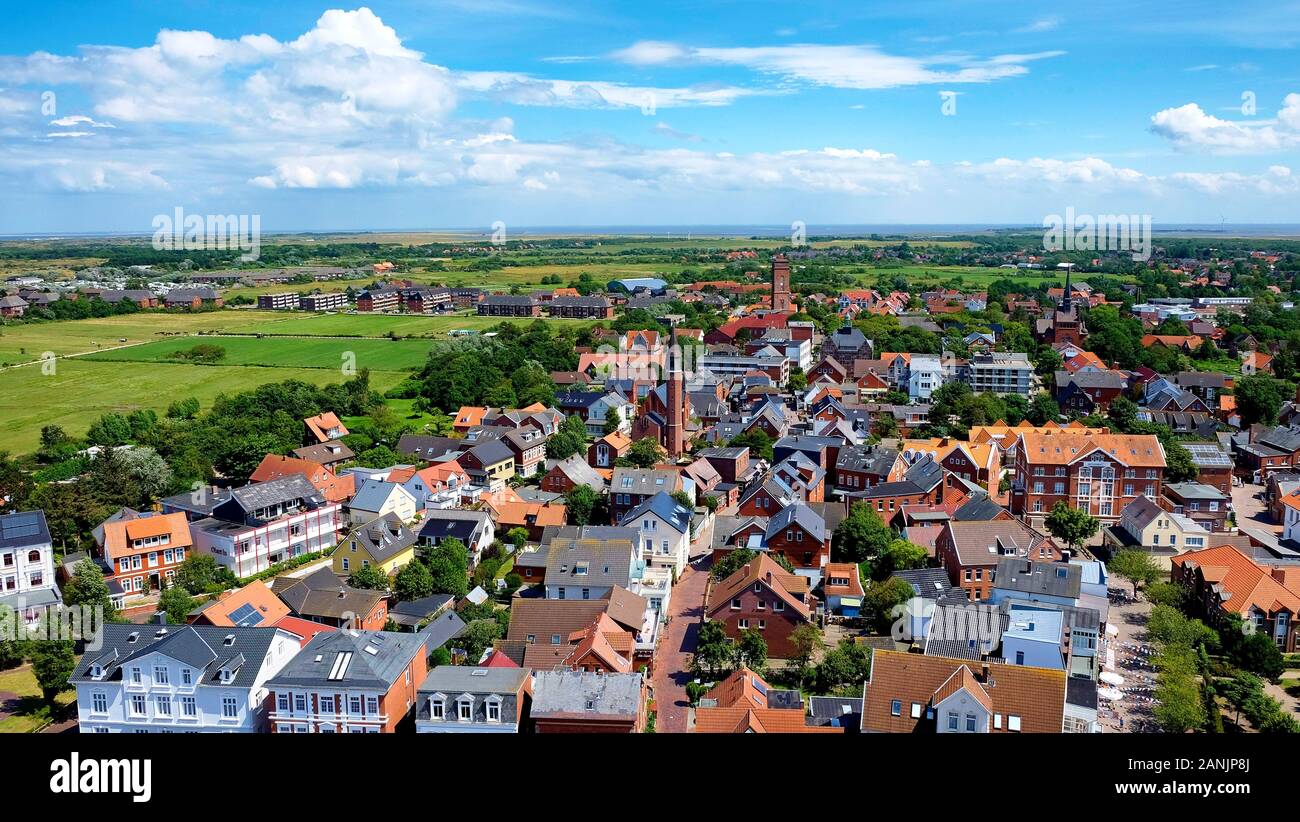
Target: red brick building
<point>970,551</point>
<point>762,596</point>
<point>1097,473</point>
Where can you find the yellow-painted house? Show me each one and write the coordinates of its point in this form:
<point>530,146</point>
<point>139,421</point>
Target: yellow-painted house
<point>384,543</point>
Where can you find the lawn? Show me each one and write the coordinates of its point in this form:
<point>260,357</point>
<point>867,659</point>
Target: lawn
<point>29,709</point>
<point>27,342</point>
<point>291,352</point>
<point>82,390</point>
<point>405,411</point>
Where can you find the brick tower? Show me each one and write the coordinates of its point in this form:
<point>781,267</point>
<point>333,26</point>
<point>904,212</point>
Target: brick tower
<point>781,284</point>
<point>675,433</point>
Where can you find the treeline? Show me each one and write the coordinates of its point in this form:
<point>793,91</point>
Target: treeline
<point>511,370</point>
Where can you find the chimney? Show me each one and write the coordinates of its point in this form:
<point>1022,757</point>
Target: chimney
<point>160,618</point>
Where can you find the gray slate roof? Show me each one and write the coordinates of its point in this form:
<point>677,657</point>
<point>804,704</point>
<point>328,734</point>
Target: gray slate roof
<point>392,652</point>
<point>1039,578</point>
<point>568,693</point>
<point>202,647</point>
<point>22,529</point>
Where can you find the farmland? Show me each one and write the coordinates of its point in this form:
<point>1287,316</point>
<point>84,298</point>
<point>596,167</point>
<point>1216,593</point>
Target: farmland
<point>81,390</point>
<point>26,343</point>
<point>297,352</point>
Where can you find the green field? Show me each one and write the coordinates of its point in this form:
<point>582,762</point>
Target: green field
<point>293,352</point>
<point>27,342</point>
<point>81,390</point>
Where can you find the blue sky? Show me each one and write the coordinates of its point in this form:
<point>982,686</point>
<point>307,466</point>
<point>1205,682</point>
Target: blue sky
<point>455,113</point>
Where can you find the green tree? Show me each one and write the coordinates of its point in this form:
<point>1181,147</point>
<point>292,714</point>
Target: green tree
<point>751,650</point>
<point>476,638</point>
<point>882,598</point>
<point>53,662</point>
<point>12,649</point>
<point>579,503</point>
<point>518,537</point>
<point>644,453</point>
<point>1258,653</point>
<point>1172,594</point>
<point>843,669</point>
<point>757,441</point>
<point>713,653</point>
<point>88,589</point>
<point>901,555</point>
<point>448,561</point>
<point>1138,567</point>
<point>861,535</point>
<point>1122,414</point>
<point>413,582</point>
<point>1073,526</point>
<point>1259,398</point>
<point>807,641</point>
<point>1179,707</point>
<point>1178,462</point>
<point>613,421</point>
<point>200,573</point>
<point>1042,409</point>
<point>177,603</point>
<point>370,578</point>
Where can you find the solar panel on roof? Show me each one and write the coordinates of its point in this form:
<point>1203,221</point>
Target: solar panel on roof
<point>246,616</point>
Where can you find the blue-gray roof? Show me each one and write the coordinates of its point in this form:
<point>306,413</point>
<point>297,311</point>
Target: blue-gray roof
<point>799,514</point>
<point>373,494</point>
<point>24,528</point>
<point>664,507</point>
<point>205,648</point>
<point>353,659</point>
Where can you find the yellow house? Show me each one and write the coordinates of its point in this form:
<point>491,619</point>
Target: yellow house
<point>385,544</point>
<point>1163,534</point>
<point>489,463</point>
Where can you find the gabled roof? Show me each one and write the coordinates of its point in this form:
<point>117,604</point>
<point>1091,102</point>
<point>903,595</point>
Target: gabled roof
<point>118,534</point>
<point>981,542</point>
<point>333,488</point>
<point>202,647</point>
<point>350,659</point>
<point>666,509</point>
<point>463,525</point>
<point>375,493</point>
<point>1240,583</point>
<point>384,538</point>
<point>324,422</point>
<point>1067,446</point>
<point>1035,696</point>
<point>1025,576</point>
<point>801,515</point>
<point>321,594</point>
<point>762,569</point>
<point>252,606</point>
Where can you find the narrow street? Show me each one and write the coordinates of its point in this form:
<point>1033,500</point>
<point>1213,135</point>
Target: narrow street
<point>673,657</point>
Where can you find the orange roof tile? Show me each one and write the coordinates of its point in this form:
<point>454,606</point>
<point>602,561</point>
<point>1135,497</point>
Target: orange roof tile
<point>332,487</point>
<point>1065,447</point>
<point>257,594</point>
<point>1246,583</point>
<point>741,719</point>
<point>119,534</point>
<point>321,424</point>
